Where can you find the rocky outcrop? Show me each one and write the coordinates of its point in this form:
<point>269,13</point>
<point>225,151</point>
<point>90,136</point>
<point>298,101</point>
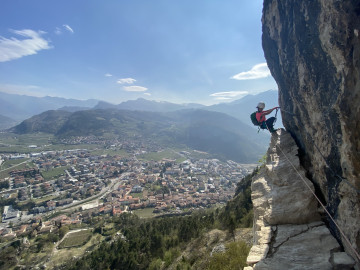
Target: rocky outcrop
<point>289,232</point>
<point>313,51</point>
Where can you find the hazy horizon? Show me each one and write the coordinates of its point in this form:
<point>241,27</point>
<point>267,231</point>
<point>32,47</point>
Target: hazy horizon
<point>180,51</point>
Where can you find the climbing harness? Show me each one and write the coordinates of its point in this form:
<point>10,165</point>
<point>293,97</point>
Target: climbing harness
<point>256,123</point>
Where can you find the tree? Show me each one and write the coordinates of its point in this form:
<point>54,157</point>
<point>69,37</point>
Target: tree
<point>62,231</point>
<point>231,227</point>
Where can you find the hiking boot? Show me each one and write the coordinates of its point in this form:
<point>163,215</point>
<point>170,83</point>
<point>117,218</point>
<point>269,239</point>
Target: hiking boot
<point>272,130</point>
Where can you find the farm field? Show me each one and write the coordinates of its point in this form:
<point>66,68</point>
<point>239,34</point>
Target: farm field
<point>75,239</point>
<point>145,213</point>
<point>17,164</point>
<point>55,172</point>
<point>157,156</point>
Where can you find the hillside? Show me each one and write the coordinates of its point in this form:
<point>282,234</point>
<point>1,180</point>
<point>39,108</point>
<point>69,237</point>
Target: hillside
<point>49,122</point>
<point>6,122</point>
<point>216,133</point>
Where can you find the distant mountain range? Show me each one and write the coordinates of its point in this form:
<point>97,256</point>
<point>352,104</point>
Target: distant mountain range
<point>142,104</point>
<point>212,132</point>
<point>242,108</point>
<point>19,107</point>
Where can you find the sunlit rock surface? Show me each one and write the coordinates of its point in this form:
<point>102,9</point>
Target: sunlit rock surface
<point>313,51</point>
<point>289,233</point>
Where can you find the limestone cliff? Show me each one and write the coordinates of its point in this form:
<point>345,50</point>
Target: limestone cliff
<point>289,232</point>
<point>313,51</point>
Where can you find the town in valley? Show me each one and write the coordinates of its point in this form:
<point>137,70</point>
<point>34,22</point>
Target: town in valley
<point>42,190</point>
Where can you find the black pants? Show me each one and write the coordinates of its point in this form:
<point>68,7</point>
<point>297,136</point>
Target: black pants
<point>268,124</point>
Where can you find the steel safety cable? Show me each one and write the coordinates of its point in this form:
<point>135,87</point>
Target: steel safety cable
<point>323,206</point>
<point>326,163</point>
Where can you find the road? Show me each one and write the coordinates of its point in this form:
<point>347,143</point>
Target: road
<point>115,183</point>
<point>29,160</point>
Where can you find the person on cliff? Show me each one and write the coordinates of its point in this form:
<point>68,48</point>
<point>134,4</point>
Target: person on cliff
<point>260,117</point>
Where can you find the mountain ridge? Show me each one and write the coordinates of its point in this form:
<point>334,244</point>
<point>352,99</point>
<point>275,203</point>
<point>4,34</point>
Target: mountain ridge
<point>213,132</point>
<point>21,107</point>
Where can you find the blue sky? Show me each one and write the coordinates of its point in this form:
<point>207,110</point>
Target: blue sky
<point>203,51</point>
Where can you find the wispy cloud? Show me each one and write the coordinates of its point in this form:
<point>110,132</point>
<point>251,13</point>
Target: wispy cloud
<point>13,48</point>
<point>228,95</point>
<point>126,81</point>
<point>67,27</point>
<point>58,31</point>
<point>147,94</point>
<point>28,90</point>
<point>135,88</point>
<point>108,75</point>
<point>256,72</point>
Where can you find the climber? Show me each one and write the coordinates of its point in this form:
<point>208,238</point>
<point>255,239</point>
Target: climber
<point>260,117</point>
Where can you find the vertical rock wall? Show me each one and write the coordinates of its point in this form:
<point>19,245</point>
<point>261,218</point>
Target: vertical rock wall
<point>313,51</point>
<point>289,233</point>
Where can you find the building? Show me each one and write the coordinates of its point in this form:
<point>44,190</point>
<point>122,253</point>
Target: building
<point>10,212</point>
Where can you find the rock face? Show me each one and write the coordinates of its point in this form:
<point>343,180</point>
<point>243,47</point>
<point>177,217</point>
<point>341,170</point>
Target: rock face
<point>313,51</point>
<point>289,233</point>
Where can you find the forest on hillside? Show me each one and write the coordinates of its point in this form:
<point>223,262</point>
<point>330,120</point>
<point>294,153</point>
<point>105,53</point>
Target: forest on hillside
<point>156,243</point>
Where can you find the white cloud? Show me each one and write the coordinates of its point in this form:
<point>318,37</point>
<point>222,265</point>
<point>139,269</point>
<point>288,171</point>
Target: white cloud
<point>14,48</point>
<point>256,72</point>
<point>67,27</point>
<point>223,98</point>
<point>58,31</point>
<point>135,88</point>
<point>126,81</point>
<point>108,75</point>
<point>147,94</point>
<point>228,95</point>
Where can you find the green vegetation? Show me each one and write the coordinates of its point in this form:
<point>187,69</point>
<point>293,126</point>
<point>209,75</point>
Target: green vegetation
<point>4,184</point>
<point>19,143</point>
<point>232,259</point>
<point>55,172</point>
<point>40,200</point>
<point>75,239</point>
<point>62,231</point>
<point>167,154</point>
<point>26,139</point>
<point>16,164</point>
<point>110,152</point>
<point>144,213</point>
<point>11,143</point>
<point>137,195</point>
<point>11,163</point>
